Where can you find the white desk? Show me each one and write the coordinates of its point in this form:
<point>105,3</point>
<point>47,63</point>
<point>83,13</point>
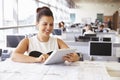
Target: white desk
<point>83,47</point>
<point>35,71</point>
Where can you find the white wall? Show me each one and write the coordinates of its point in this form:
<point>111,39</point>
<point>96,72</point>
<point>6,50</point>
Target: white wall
<point>90,10</point>
<point>0,12</point>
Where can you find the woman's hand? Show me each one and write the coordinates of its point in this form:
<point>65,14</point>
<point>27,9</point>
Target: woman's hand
<point>42,58</point>
<point>72,57</point>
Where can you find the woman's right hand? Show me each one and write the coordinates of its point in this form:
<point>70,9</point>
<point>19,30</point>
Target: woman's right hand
<point>42,58</point>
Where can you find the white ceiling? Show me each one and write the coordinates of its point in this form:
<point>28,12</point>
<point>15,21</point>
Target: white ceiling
<point>77,3</point>
<point>108,7</point>
<point>96,1</point>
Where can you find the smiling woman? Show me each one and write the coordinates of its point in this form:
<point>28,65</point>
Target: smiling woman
<point>42,42</point>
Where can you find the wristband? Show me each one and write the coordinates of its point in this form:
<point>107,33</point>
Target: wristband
<point>78,54</point>
<point>49,53</point>
<point>35,53</point>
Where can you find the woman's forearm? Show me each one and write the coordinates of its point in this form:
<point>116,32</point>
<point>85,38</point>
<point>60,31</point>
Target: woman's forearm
<point>17,57</point>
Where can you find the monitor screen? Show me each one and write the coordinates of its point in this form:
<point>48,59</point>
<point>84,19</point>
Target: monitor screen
<point>57,32</point>
<point>13,40</point>
<point>100,48</point>
<point>95,39</point>
<point>90,35</point>
<point>82,39</point>
<point>106,39</point>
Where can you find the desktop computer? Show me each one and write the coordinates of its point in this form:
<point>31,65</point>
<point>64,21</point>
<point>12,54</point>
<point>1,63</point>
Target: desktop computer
<point>4,54</point>
<point>13,40</point>
<point>106,39</point>
<point>82,39</point>
<point>94,38</point>
<point>100,50</point>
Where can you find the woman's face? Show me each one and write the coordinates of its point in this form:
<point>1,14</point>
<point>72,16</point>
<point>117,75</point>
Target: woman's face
<point>45,25</point>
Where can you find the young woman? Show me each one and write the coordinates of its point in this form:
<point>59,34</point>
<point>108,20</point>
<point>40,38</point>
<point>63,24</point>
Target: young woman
<point>42,42</point>
<point>88,30</point>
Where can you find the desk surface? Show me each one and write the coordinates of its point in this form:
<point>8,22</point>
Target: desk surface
<point>72,42</point>
<point>35,71</point>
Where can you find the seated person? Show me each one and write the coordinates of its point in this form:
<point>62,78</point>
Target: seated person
<point>62,25</point>
<point>88,30</point>
<point>102,29</point>
<point>42,43</point>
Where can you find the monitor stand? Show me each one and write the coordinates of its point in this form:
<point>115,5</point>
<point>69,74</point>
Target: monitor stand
<point>91,58</point>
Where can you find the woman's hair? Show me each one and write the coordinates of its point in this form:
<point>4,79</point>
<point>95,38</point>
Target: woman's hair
<point>90,27</point>
<point>101,26</point>
<point>60,24</point>
<point>43,11</point>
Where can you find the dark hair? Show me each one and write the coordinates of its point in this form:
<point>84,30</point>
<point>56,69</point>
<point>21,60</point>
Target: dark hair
<point>102,26</point>
<point>60,24</point>
<point>90,27</point>
<point>43,11</point>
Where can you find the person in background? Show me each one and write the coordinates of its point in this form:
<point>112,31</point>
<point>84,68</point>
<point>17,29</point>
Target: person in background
<point>97,22</point>
<point>109,24</point>
<point>102,29</point>
<point>62,25</point>
<point>88,30</point>
<point>42,43</point>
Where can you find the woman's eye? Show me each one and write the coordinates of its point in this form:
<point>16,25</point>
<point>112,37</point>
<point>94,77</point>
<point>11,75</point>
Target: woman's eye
<point>51,24</point>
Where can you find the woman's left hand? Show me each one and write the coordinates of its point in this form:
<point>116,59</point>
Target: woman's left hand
<point>72,57</point>
<point>43,57</point>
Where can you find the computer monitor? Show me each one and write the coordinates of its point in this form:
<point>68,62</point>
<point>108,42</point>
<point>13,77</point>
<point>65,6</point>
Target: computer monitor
<point>57,32</point>
<point>90,35</point>
<point>94,38</point>
<point>100,48</point>
<point>13,40</point>
<point>82,39</point>
<point>106,39</point>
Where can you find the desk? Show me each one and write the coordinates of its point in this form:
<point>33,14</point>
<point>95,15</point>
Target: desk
<point>83,48</point>
<point>35,71</point>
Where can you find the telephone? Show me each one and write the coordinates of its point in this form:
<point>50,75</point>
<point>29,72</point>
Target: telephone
<point>5,53</point>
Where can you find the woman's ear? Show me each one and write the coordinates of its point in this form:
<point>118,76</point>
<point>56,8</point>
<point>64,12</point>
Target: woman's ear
<point>36,23</point>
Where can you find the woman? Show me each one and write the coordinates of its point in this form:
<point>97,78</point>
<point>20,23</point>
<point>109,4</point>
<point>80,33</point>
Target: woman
<point>88,30</point>
<point>62,25</point>
<point>42,42</point>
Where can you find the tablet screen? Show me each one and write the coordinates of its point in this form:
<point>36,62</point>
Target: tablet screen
<point>57,56</point>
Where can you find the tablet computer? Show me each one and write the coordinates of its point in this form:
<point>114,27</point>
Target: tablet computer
<point>57,56</point>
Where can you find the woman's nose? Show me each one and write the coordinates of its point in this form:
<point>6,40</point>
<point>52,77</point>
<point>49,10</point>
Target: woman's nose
<point>49,27</point>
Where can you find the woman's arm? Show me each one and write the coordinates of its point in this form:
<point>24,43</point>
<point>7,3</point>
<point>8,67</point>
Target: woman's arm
<point>72,57</point>
<point>18,54</point>
<point>62,44</point>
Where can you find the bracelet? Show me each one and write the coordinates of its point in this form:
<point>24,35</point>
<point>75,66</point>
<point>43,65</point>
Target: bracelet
<point>78,54</point>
